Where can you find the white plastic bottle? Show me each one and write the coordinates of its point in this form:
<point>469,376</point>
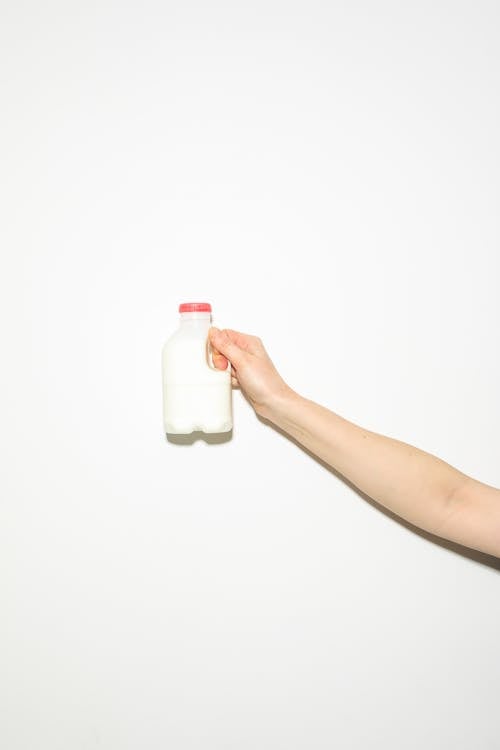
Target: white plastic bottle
<point>196,396</point>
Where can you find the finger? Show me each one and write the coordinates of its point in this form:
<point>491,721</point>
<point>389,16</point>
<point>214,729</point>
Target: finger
<point>219,360</point>
<point>223,344</point>
<point>248,343</point>
<point>235,383</point>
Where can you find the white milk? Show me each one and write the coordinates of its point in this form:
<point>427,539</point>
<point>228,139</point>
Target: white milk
<point>196,396</point>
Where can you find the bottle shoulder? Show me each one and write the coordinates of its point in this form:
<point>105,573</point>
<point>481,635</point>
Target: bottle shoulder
<point>184,346</point>
<point>188,334</point>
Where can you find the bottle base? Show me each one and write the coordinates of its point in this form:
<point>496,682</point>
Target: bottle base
<point>206,429</point>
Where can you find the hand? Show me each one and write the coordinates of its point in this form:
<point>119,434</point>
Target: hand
<point>251,367</point>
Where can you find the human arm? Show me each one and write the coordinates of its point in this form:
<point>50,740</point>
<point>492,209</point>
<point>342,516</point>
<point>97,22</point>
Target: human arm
<point>411,483</point>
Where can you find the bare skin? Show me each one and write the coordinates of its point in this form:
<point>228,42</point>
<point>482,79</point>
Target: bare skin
<point>411,483</point>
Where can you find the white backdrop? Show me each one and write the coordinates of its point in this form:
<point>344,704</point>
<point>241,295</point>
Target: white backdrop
<point>327,176</point>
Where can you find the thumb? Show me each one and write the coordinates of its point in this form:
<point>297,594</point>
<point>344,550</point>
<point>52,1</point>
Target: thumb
<point>221,341</point>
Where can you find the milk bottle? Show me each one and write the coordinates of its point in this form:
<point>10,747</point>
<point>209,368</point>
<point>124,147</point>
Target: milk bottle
<point>196,396</point>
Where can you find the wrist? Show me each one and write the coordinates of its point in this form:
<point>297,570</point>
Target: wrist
<point>278,405</point>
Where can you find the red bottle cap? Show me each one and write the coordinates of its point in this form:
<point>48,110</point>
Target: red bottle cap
<point>195,307</point>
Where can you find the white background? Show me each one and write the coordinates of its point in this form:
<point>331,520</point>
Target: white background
<point>327,176</point>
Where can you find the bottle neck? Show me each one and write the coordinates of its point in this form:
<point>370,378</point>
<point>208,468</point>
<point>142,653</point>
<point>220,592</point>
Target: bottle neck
<point>196,320</point>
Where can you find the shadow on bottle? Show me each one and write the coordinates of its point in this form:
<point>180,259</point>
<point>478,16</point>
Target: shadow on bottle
<point>214,438</point>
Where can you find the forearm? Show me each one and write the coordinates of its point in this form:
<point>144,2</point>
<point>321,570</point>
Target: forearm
<point>415,485</point>
<point>411,483</point>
